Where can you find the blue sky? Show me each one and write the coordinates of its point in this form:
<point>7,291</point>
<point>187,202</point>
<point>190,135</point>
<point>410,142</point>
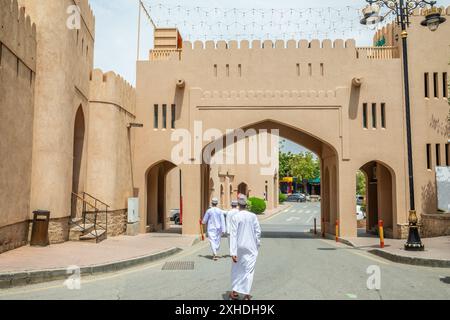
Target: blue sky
<point>116,25</point>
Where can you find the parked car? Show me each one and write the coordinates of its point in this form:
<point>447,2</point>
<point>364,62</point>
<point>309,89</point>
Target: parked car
<point>175,216</point>
<point>296,197</point>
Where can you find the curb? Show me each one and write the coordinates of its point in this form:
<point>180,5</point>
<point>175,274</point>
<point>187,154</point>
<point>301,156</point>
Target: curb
<point>435,263</point>
<point>15,279</point>
<point>275,214</point>
<point>415,261</point>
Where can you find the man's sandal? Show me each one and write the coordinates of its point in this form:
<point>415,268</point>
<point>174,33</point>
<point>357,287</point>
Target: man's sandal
<point>248,297</point>
<point>234,296</point>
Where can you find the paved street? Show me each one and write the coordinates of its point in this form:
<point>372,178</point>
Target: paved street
<point>295,268</point>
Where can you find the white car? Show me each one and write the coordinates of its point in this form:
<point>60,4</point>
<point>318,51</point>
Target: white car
<point>360,215</point>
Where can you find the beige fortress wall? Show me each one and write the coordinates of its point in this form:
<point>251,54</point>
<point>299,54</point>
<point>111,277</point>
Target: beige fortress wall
<point>64,62</point>
<point>326,107</point>
<point>430,122</point>
<point>307,89</point>
<point>429,52</point>
<point>109,171</point>
<point>17,82</point>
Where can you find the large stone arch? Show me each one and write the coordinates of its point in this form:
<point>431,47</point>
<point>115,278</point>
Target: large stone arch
<point>381,197</point>
<point>155,205</point>
<point>326,152</point>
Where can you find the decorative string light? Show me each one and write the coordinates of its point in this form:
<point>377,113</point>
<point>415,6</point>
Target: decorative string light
<point>203,23</point>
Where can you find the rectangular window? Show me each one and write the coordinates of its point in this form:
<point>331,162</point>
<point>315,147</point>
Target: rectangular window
<point>155,116</point>
<point>322,70</point>
<point>174,113</point>
<point>228,70</point>
<point>429,156</point>
<point>426,82</point>
<point>310,69</point>
<point>240,70</point>
<point>298,69</point>
<point>436,85</point>
<point>447,155</point>
<point>374,115</point>
<point>438,155</point>
<point>365,115</point>
<point>445,85</point>
<point>383,115</point>
<point>215,70</point>
<point>164,116</point>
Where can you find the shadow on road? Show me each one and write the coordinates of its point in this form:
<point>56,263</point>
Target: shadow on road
<point>445,280</point>
<point>286,235</point>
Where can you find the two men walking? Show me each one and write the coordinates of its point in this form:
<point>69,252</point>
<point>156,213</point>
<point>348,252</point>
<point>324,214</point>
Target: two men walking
<point>244,234</point>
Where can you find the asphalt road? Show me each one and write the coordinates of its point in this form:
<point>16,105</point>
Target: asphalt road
<point>296,268</point>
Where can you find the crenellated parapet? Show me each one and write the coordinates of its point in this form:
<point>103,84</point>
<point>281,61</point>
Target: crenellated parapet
<point>269,44</point>
<point>422,11</point>
<point>87,13</point>
<point>17,32</point>
<point>113,89</point>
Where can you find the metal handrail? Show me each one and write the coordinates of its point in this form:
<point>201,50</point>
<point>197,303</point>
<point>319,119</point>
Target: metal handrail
<point>97,200</point>
<point>96,211</point>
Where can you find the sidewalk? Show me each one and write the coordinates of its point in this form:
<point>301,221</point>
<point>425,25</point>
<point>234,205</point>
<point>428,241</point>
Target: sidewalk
<point>36,264</point>
<point>436,254</point>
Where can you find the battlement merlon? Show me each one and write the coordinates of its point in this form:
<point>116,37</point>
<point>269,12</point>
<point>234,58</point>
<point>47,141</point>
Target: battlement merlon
<point>18,33</point>
<point>269,44</point>
<point>111,88</point>
<point>87,14</point>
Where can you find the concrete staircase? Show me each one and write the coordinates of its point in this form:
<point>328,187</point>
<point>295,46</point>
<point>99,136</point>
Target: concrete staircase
<point>92,226</point>
<point>87,232</point>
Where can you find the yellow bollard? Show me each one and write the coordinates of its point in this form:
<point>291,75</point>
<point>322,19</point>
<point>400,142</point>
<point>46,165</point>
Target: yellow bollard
<point>381,231</point>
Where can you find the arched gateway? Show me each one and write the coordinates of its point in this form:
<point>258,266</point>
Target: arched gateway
<point>308,92</point>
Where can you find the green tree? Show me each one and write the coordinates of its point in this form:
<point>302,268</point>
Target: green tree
<point>305,166</point>
<point>360,183</point>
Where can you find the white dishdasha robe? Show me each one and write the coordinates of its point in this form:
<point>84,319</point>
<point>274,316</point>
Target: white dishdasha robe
<point>215,222</point>
<point>245,239</point>
<point>230,215</point>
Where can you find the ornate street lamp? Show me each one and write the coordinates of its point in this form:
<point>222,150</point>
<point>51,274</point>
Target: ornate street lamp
<point>403,9</point>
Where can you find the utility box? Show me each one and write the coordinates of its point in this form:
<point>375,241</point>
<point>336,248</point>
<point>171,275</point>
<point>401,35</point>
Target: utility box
<point>133,210</point>
<point>39,231</point>
<point>133,217</point>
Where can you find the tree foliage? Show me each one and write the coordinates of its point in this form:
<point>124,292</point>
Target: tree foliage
<point>301,166</point>
<point>360,183</point>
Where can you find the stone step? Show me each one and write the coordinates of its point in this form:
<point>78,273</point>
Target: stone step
<point>76,231</point>
<point>93,237</point>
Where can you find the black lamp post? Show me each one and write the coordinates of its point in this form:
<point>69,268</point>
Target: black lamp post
<point>403,9</point>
